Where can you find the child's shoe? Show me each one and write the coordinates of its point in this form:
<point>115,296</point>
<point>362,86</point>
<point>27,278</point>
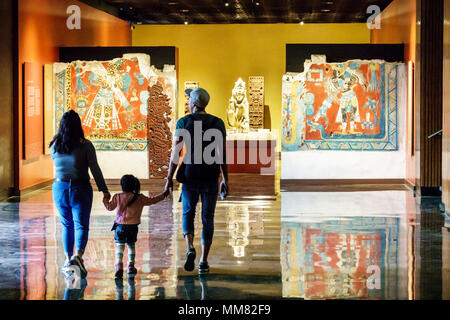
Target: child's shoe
<point>119,271</point>
<point>131,269</point>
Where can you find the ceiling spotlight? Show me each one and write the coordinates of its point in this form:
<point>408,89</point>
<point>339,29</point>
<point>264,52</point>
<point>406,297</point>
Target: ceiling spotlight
<point>227,4</point>
<point>257,3</point>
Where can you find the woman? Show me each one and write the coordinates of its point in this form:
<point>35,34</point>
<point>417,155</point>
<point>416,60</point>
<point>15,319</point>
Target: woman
<point>72,155</point>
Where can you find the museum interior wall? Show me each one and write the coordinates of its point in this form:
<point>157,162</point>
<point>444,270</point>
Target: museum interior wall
<point>241,51</point>
<point>244,56</point>
<point>398,25</point>
<point>6,99</point>
<point>41,25</point>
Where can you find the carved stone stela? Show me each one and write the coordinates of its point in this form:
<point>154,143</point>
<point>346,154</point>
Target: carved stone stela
<point>188,85</point>
<point>256,102</point>
<point>159,133</point>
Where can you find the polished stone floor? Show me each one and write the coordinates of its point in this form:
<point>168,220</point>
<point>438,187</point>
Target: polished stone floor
<point>295,245</point>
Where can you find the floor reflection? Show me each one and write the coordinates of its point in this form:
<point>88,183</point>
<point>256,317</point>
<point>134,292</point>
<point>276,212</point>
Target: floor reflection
<point>299,245</point>
<point>353,257</point>
<point>346,245</point>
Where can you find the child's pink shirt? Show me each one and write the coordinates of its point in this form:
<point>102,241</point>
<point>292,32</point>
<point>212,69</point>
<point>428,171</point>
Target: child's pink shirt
<point>130,214</point>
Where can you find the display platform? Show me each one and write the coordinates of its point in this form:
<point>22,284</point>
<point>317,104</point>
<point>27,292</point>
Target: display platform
<point>251,152</point>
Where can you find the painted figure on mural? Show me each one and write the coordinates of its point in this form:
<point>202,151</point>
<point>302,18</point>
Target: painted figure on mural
<point>112,98</point>
<point>345,80</point>
<point>238,108</point>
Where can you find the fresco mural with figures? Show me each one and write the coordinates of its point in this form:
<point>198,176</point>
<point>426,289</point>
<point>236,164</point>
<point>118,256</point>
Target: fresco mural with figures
<point>341,106</point>
<point>112,99</point>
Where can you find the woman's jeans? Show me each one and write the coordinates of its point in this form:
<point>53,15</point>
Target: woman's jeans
<point>190,194</point>
<point>74,204</point>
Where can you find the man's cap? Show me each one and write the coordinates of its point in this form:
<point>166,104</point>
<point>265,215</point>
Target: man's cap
<point>199,95</point>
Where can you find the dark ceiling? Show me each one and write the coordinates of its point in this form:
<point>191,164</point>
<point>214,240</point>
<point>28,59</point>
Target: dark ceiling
<point>238,11</point>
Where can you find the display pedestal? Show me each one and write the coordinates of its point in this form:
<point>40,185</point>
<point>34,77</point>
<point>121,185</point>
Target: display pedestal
<point>252,152</point>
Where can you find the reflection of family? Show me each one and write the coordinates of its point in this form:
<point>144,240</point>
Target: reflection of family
<point>73,194</point>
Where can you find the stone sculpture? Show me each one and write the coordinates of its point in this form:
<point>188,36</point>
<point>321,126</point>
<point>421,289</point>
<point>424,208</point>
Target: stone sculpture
<point>238,108</point>
<point>256,102</point>
<point>159,132</point>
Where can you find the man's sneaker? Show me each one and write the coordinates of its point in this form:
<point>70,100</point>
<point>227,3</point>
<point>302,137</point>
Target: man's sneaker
<point>78,262</point>
<point>189,264</point>
<point>119,271</point>
<point>203,267</point>
<point>131,269</point>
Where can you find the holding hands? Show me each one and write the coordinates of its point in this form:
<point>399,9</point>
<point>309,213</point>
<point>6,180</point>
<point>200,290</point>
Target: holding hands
<point>106,197</point>
<point>166,193</point>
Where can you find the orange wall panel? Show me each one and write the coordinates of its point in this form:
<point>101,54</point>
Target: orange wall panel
<point>398,25</point>
<point>42,30</point>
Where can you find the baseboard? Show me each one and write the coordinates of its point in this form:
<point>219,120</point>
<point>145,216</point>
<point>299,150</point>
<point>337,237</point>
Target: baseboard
<point>326,182</point>
<point>36,187</point>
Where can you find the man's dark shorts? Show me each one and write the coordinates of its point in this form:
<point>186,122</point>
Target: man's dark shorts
<point>126,233</point>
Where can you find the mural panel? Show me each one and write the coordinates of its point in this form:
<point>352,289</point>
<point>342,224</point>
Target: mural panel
<point>111,98</point>
<point>341,106</point>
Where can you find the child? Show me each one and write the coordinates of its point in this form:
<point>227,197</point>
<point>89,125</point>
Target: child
<point>129,205</point>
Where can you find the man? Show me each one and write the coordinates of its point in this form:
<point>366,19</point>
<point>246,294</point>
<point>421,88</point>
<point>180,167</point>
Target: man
<point>204,159</point>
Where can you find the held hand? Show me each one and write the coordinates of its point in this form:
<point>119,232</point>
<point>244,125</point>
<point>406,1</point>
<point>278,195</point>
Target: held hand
<point>224,188</point>
<point>166,193</point>
<point>169,186</point>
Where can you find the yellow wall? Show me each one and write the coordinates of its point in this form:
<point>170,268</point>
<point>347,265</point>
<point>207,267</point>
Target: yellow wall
<point>217,55</point>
